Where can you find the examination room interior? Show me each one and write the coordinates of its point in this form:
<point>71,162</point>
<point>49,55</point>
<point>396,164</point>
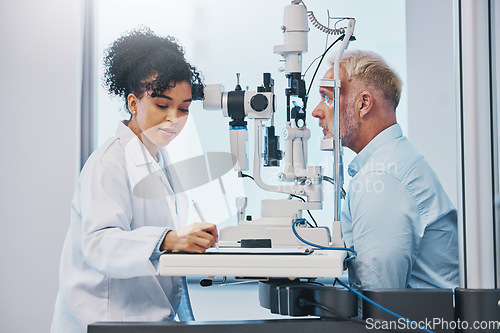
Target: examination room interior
<point>42,58</point>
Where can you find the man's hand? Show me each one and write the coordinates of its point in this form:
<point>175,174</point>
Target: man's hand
<point>196,237</point>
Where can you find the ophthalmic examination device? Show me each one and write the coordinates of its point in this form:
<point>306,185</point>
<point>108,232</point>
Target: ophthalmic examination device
<point>279,244</point>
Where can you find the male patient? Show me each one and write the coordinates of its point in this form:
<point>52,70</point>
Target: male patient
<point>396,214</point>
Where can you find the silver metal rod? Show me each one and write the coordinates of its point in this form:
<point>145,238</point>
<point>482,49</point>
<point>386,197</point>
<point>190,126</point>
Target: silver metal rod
<point>336,120</point>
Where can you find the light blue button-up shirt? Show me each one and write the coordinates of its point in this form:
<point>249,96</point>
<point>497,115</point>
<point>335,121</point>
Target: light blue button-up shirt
<point>399,219</point>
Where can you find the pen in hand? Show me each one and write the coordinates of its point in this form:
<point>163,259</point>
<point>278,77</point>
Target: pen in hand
<point>200,215</point>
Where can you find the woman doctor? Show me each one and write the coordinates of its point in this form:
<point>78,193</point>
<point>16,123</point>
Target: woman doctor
<point>128,206</point>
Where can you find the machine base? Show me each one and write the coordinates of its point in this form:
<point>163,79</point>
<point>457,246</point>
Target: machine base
<point>273,263</point>
<point>295,298</point>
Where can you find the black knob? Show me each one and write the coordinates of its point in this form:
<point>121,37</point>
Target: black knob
<point>259,102</point>
<point>206,283</point>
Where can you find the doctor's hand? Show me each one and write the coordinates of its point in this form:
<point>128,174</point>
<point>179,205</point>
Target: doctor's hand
<point>196,237</point>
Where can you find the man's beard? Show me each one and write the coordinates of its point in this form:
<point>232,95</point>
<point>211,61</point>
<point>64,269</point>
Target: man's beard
<point>349,125</point>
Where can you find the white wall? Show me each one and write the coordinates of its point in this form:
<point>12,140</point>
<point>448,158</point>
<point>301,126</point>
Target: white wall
<point>40,50</point>
<point>432,109</point>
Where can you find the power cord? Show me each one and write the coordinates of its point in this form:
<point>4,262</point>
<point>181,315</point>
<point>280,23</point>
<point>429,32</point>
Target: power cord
<point>303,221</point>
<point>381,307</point>
<point>321,60</point>
<point>302,302</point>
<point>243,175</point>
<point>308,212</point>
<point>332,181</point>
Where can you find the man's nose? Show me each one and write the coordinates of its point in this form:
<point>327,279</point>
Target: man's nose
<point>318,112</point>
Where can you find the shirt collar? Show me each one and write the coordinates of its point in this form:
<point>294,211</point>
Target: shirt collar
<point>391,133</point>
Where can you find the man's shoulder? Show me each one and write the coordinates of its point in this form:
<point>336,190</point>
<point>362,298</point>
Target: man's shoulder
<point>403,161</point>
<point>395,158</point>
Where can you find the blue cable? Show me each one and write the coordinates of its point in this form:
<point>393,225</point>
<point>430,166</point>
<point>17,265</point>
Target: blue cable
<point>381,307</point>
<point>303,221</point>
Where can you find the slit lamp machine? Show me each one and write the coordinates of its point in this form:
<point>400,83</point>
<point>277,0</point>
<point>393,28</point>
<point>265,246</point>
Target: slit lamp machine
<point>279,244</point>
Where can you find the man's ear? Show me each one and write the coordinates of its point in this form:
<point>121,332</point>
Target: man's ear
<point>365,103</point>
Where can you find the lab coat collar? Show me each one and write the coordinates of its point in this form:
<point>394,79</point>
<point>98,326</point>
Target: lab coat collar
<point>135,148</point>
<point>391,133</point>
<point>144,173</point>
<point>123,132</point>
<point>140,156</point>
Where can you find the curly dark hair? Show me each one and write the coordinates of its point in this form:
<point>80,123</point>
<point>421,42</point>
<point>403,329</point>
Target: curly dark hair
<point>133,59</point>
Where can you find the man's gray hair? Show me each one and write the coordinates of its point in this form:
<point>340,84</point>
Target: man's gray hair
<point>371,69</point>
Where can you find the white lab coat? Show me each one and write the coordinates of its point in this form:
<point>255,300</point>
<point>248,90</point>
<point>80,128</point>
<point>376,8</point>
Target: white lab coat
<point>122,205</point>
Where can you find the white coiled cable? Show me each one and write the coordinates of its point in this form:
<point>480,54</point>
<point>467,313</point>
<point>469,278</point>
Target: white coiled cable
<point>323,28</point>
